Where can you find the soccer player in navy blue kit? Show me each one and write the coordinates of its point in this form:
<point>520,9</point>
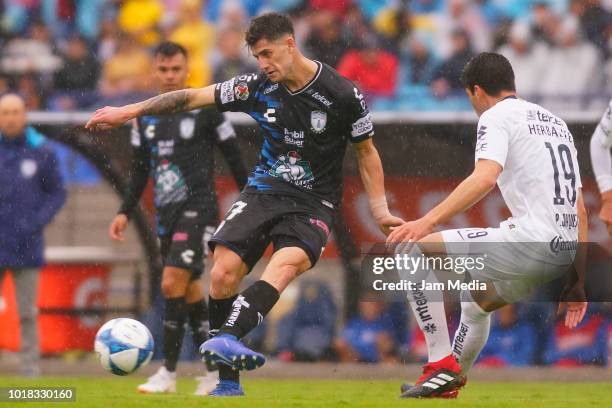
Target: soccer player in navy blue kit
<point>177,151</point>
<point>308,113</point>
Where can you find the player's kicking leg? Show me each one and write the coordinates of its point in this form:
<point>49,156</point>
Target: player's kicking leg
<point>445,373</point>
<point>249,309</point>
<point>226,274</point>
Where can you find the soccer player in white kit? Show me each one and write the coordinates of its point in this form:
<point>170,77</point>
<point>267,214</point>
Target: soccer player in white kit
<point>601,159</point>
<point>530,154</point>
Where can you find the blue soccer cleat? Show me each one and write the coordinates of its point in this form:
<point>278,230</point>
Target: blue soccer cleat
<point>227,388</point>
<point>227,349</point>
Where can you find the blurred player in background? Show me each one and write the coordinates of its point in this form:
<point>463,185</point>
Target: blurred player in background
<point>601,159</point>
<point>308,113</point>
<point>31,193</point>
<point>178,151</point>
<point>530,154</point>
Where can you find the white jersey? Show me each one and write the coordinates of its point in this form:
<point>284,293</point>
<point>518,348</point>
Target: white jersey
<point>540,180</point>
<point>601,142</point>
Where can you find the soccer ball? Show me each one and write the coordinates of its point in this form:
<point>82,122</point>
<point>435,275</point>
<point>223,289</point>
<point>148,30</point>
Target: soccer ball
<point>123,346</point>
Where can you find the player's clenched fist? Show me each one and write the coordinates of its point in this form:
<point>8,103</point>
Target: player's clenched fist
<point>117,227</point>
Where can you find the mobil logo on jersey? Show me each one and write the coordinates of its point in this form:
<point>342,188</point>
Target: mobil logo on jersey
<point>294,169</point>
<point>294,137</point>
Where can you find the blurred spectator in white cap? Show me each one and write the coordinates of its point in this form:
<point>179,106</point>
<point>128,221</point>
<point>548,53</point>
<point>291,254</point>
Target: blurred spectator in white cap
<point>418,63</point>
<point>573,69</point>
<point>461,15</point>
<point>232,15</point>
<point>528,58</point>
<point>232,56</point>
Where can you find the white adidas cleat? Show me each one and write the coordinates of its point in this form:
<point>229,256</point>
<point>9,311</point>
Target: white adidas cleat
<point>206,383</point>
<point>161,382</point>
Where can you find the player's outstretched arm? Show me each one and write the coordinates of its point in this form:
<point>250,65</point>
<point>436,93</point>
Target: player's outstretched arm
<point>371,171</point>
<point>171,102</point>
<point>471,190</point>
<point>573,297</point>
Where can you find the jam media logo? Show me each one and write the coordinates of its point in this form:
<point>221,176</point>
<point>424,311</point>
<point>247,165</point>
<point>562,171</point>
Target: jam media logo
<point>557,244</point>
<point>242,91</point>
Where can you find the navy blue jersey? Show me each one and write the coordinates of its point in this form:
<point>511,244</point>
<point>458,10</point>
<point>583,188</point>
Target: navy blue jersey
<point>305,132</point>
<point>177,151</point>
<point>32,193</point>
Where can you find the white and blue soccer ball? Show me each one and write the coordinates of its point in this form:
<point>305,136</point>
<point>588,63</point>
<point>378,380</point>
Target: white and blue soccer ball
<point>123,346</point>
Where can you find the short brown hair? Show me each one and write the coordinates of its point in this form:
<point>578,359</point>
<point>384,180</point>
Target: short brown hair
<point>269,26</point>
<point>491,71</point>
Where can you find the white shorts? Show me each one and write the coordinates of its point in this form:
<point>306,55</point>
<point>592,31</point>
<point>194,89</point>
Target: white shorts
<point>506,265</point>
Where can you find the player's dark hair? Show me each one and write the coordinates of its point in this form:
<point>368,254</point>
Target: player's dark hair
<point>490,71</point>
<point>269,26</point>
<point>169,49</point>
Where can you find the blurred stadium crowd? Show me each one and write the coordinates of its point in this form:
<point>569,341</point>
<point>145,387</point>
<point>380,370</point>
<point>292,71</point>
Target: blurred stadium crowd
<point>404,54</point>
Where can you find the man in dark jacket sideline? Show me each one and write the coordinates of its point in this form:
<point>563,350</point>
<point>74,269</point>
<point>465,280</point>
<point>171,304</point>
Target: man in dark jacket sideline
<point>31,193</point>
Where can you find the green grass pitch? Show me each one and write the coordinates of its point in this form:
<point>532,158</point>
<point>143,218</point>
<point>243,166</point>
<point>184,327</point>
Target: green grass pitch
<point>107,392</point>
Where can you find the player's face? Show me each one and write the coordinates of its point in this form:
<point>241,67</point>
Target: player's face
<point>13,116</point>
<point>275,58</point>
<point>170,72</point>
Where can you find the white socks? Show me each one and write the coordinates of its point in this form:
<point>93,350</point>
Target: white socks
<point>428,308</point>
<point>472,333</point>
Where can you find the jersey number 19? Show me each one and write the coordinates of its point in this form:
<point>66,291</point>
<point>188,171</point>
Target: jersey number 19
<point>567,165</point>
